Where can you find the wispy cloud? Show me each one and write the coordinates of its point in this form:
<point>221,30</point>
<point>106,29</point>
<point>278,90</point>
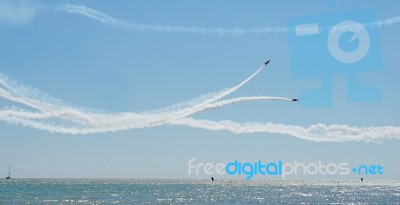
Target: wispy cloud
<point>18,13</point>
<point>20,166</point>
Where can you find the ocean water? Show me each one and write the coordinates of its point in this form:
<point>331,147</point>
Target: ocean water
<point>172,191</point>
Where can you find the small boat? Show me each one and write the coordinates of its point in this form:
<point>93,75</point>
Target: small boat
<point>9,172</point>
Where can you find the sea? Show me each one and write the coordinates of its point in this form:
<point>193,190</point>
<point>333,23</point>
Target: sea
<point>196,191</point>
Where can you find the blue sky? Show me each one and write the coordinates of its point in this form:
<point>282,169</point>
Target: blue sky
<point>92,65</point>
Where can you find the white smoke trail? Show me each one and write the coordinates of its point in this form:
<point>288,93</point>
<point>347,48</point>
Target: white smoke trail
<point>317,133</point>
<point>388,22</point>
<point>107,122</point>
<point>55,108</point>
<point>54,116</point>
<point>125,25</point>
<point>70,114</point>
<point>52,108</point>
<point>113,124</point>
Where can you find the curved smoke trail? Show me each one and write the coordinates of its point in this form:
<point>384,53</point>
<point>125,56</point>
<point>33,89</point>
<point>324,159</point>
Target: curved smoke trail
<point>317,132</point>
<point>125,25</point>
<point>70,114</point>
<point>109,122</point>
<point>51,107</point>
<point>54,116</point>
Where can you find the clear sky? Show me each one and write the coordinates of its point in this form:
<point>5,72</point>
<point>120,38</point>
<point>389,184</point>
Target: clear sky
<point>112,67</point>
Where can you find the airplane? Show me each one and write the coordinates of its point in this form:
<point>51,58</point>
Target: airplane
<point>295,100</point>
<point>266,62</point>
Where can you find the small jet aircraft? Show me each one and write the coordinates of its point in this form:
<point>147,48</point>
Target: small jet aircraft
<point>266,62</point>
<point>295,100</point>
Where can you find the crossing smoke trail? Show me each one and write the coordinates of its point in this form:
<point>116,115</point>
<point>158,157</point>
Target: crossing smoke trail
<point>109,124</point>
<point>125,25</point>
<point>71,114</point>
<point>54,108</point>
<point>316,133</point>
<point>109,120</point>
<point>50,108</point>
<point>54,116</point>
